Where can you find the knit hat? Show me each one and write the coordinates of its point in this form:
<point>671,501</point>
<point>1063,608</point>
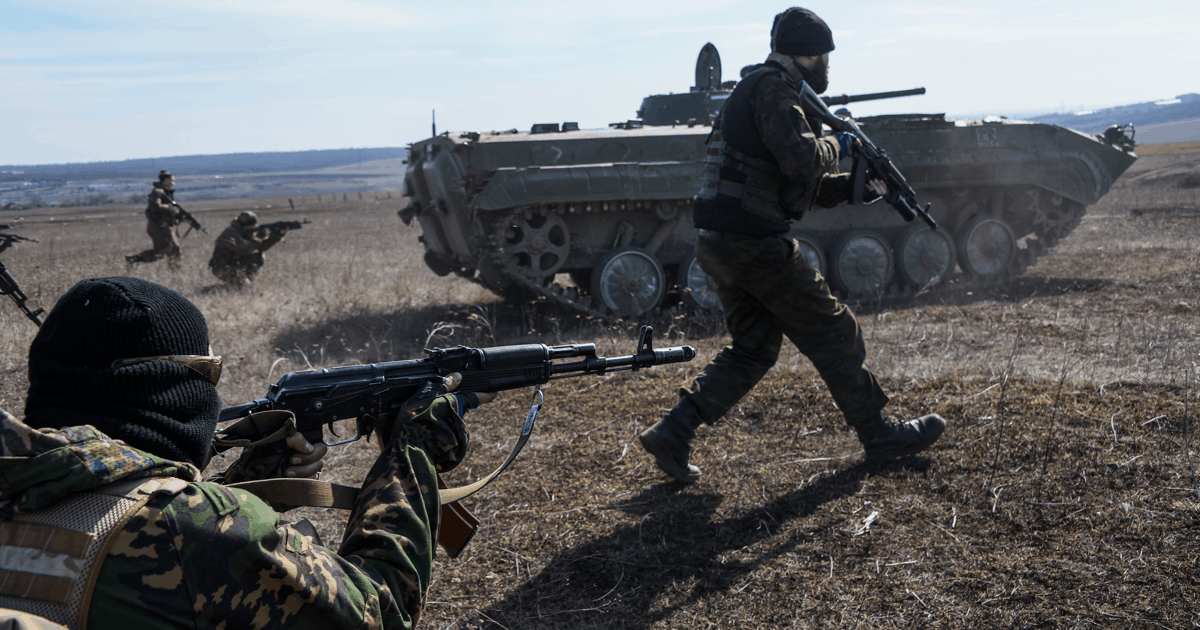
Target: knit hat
<point>157,406</point>
<point>798,32</point>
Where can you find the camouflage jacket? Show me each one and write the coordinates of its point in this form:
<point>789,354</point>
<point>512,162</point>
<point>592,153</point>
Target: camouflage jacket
<point>213,557</point>
<point>806,158</point>
<point>160,211</point>
<point>240,241</point>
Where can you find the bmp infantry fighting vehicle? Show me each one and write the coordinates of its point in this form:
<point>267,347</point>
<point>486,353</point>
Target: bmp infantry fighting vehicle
<point>611,208</point>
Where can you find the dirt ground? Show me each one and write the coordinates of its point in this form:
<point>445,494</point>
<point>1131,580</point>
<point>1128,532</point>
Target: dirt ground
<point>1063,494</point>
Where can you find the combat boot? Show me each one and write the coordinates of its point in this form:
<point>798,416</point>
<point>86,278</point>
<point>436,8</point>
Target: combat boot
<point>884,439</point>
<point>669,441</point>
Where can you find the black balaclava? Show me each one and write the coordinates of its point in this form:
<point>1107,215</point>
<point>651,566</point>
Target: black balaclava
<point>157,406</point>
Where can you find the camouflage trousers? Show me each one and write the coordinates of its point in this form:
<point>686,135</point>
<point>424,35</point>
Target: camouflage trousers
<point>235,269</point>
<point>768,290</point>
<point>166,245</point>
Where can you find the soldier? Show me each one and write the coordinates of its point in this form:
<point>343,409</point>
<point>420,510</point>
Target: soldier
<point>119,419</point>
<point>162,217</point>
<point>238,254</point>
<point>767,166</point>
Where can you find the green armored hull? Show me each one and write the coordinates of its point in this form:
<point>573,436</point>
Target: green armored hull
<point>611,209</point>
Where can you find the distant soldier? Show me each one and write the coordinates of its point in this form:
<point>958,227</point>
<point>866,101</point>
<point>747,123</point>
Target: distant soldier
<point>162,217</point>
<point>238,254</point>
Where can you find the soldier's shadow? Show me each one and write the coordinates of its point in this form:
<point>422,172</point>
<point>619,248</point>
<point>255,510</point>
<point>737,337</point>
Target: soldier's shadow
<point>678,543</point>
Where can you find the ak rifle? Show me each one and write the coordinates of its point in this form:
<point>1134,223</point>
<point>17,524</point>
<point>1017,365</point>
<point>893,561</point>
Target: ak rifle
<point>281,227</point>
<point>309,401</point>
<point>187,216</point>
<point>870,163</point>
<point>319,398</point>
<point>9,287</point>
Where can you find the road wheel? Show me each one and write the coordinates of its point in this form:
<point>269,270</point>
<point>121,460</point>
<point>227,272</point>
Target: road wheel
<point>861,266</point>
<point>924,255</point>
<point>629,282</point>
<point>698,288</point>
<point>986,247</point>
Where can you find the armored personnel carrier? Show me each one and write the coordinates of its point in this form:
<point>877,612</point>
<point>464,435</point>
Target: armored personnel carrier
<point>610,209</point>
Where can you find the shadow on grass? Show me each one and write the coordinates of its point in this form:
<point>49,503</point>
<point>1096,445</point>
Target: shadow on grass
<point>681,551</point>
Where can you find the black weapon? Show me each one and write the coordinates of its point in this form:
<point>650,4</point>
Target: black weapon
<point>9,287</point>
<point>7,240</point>
<point>323,397</point>
<point>870,163</point>
<point>187,216</point>
<point>281,227</point>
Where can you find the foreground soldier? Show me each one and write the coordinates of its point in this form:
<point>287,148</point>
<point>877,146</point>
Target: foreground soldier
<point>766,167</point>
<point>122,406</point>
<point>161,219</point>
<point>238,254</point>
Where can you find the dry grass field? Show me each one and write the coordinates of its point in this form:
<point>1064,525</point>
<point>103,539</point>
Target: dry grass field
<point>1063,494</point>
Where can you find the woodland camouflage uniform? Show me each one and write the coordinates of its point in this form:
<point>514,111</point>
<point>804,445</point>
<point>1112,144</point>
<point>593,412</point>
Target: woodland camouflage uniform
<point>106,405</point>
<point>211,555</point>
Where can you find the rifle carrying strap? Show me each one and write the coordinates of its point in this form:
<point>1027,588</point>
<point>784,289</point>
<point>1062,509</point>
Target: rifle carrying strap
<point>458,524</point>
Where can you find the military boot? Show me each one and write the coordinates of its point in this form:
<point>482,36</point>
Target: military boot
<point>885,439</point>
<point>668,441</point>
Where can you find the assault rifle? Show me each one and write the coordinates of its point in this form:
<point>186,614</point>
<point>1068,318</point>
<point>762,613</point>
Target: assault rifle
<point>9,287</point>
<point>187,216</point>
<point>871,162</point>
<point>7,240</point>
<point>282,227</point>
<point>319,398</point>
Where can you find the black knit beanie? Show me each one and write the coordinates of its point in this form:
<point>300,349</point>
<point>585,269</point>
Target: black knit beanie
<point>799,31</point>
<point>157,406</point>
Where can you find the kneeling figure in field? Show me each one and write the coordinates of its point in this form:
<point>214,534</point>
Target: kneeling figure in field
<point>238,254</point>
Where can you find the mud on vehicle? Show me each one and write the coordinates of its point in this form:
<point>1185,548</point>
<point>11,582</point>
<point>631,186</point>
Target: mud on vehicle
<point>519,212</point>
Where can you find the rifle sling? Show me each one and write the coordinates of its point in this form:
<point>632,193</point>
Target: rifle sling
<point>285,494</point>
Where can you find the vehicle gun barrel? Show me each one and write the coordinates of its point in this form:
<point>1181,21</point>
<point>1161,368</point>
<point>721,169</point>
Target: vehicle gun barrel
<point>846,99</point>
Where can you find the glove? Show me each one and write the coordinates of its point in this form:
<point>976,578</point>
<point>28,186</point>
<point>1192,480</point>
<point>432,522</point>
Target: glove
<point>845,141</point>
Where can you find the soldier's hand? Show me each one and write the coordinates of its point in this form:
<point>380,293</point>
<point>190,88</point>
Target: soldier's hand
<point>306,460</point>
<point>455,379</point>
<point>877,186</point>
<point>847,143</point>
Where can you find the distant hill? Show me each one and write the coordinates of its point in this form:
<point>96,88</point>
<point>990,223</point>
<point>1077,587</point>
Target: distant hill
<point>1182,107</point>
<point>223,164</point>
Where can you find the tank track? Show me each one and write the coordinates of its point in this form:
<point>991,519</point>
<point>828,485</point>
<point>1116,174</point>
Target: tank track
<point>1049,228</point>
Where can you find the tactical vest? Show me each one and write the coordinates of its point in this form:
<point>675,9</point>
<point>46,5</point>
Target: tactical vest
<point>50,559</point>
<point>740,174</point>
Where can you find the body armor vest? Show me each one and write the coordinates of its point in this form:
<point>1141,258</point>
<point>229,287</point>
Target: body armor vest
<point>50,559</point>
<point>740,174</point>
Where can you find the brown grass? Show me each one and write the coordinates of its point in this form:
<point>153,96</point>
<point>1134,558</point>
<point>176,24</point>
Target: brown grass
<point>1063,494</point>
<point>1169,148</point>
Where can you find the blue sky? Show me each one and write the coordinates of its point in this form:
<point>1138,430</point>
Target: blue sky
<point>117,79</point>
